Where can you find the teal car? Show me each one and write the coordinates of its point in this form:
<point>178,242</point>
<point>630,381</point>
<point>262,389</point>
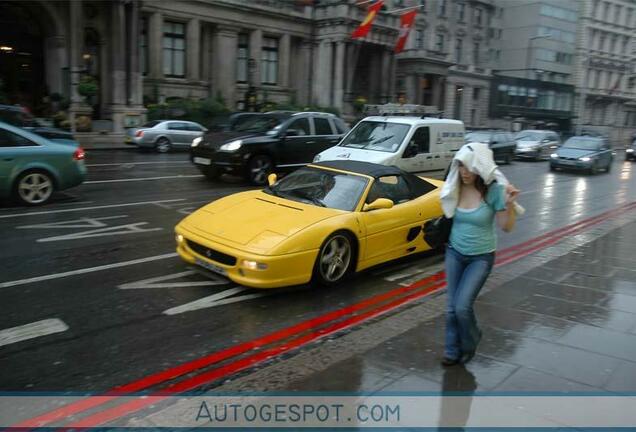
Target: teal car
<point>33,167</point>
<point>583,153</point>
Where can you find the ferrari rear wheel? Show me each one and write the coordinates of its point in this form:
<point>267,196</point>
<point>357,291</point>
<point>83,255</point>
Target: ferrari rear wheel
<point>334,259</point>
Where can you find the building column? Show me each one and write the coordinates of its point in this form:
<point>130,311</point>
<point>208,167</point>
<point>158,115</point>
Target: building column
<point>385,80</point>
<point>117,55</point>
<point>338,84</point>
<point>155,51</point>
<point>285,54</point>
<point>225,46</point>
<point>353,51</point>
<point>78,107</point>
<point>393,80</point>
<point>449,105</point>
<point>55,59</point>
<point>135,95</point>
<point>322,66</point>
<point>437,94</point>
<point>303,81</point>
<point>206,58</point>
<point>256,46</point>
<point>410,89</point>
<point>193,49</point>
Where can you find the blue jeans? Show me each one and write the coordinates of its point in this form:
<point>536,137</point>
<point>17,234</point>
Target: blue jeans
<point>465,275</point>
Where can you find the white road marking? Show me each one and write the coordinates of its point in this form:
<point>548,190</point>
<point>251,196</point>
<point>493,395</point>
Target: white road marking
<point>88,208</point>
<point>154,282</point>
<point>85,270</point>
<point>32,330</point>
<point>75,223</point>
<point>143,179</point>
<point>217,299</point>
<point>138,163</point>
<point>133,228</point>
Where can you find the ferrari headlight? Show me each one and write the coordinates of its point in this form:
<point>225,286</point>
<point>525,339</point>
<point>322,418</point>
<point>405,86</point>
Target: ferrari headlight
<point>231,146</point>
<point>554,155</point>
<point>253,265</point>
<point>196,141</point>
<point>585,159</point>
<point>179,238</point>
<point>630,150</point>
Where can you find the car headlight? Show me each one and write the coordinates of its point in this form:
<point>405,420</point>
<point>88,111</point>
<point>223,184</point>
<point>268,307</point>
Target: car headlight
<point>317,158</point>
<point>196,141</point>
<point>630,150</point>
<point>585,159</point>
<point>554,155</point>
<point>231,146</point>
<point>179,238</point>
<point>253,265</point>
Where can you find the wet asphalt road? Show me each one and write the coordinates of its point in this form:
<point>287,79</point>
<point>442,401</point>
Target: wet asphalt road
<point>121,321</point>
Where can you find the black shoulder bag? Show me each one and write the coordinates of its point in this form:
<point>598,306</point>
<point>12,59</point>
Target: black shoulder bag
<point>437,231</point>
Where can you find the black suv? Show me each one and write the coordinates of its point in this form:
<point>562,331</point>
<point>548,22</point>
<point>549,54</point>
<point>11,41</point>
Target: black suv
<point>502,143</point>
<point>17,116</point>
<point>273,141</point>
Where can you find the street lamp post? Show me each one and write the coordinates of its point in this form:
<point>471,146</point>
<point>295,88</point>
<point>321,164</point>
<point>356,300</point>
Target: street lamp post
<point>529,54</point>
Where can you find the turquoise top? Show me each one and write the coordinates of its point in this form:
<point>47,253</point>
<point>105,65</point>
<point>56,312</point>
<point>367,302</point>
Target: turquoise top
<point>473,231</point>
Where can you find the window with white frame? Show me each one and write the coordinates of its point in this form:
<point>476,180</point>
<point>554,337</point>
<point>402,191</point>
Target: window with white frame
<point>441,8</point>
<point>269,61</point>
<point>461,12</point>
<point>458,50</point>
<point>174,49</point>
<point>242,59</point>
<point>419,39</point>
<point>478,16</point>
<point>476,57</point>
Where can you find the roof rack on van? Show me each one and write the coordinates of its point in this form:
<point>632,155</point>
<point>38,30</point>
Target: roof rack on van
<point>393,109</point>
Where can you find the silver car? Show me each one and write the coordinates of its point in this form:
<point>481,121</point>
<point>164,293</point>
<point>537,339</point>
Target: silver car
<point>164,135</point>
<point>536,144</point>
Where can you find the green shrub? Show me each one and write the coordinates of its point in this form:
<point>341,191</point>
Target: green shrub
<point>87,86</point>
<point>200,111</point>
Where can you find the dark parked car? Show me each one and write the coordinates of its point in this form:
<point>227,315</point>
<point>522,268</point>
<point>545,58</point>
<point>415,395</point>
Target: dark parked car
<point>19,117</point>
<point>226,123</point>
<point>586,153</point>
<point>502,144</point>
<point>274,141</point>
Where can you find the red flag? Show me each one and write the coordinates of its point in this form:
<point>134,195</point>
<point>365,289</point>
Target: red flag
<point>406,24</point>
<point>363,29</point>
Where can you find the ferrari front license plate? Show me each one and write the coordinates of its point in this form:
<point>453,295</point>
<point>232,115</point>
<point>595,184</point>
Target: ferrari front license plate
<point>212,267</point>
<point>202,161</point>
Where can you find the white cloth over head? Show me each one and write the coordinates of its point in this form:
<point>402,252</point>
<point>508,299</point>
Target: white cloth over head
<point>477,158</point>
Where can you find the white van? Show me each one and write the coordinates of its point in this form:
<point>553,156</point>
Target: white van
<point>414,144</point>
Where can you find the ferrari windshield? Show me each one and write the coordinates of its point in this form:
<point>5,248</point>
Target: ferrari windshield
<point>321,187</point>
<point>375,135</point>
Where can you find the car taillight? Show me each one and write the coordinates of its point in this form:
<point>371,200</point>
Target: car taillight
<point>139,134</point>
<point>79,154</point>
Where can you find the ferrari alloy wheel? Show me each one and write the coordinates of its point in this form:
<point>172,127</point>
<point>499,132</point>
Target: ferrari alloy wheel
<point>259,168</point>
<point>334,259</point>
<point>34,188</point>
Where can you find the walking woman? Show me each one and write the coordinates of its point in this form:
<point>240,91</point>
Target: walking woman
<point>475,195</point>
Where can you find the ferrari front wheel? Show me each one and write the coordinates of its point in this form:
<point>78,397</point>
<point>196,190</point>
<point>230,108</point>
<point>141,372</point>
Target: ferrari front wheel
<point>334,259</point>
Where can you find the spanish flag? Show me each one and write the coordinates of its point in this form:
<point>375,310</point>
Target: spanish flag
<point>363,29</point>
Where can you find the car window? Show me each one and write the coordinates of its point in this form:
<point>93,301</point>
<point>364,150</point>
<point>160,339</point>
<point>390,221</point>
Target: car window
<point>177,126</point>
<point>10,139</point>
<point>151,124</point>
<point>394,188</point>
<point>421,140</point>
<point>322,126</point>
<point>375,135</point>
<point>301,126</point>
<point>341,128</point>
<point>193,127</point>
<point>483,137</point>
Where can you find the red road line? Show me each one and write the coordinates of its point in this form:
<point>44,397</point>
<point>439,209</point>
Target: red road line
<point>245,363</point>
<point>284,333</point>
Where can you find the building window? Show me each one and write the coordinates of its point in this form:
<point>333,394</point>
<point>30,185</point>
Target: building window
<point>269,61</point>
<point>601,41</point>
<point>607,11</point>
<point>174,48</point>
<point>422,5</point>
<point>461,12</point>
<point>476,93</point>
<point>594,8</point>
<point>625,44</point>
<point>476,48</point>
<point>628,17</point>
<point>439,43</point>
<point>143,46</point>
<point>617,13</point>
<point>419,39</point>
<point>478,16</point>
<point>242,58</point>
<point>441,8</point>
<point>614,44</point>
<point>555,12</point>
<point>458,50</point>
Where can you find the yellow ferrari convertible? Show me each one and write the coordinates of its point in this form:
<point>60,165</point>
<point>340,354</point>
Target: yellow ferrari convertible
<point>320,223</point>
